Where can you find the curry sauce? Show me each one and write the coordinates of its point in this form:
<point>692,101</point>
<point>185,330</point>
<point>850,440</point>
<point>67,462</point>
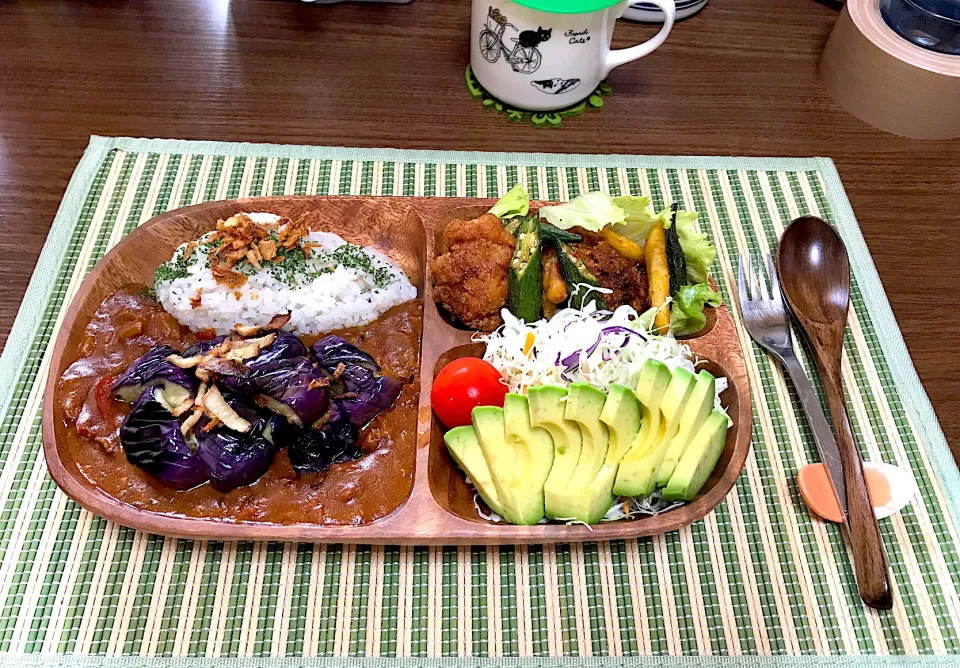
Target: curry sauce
<point>129,323</point>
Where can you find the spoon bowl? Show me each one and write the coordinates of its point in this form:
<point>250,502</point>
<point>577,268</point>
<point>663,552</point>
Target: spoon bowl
<point>814,271</point>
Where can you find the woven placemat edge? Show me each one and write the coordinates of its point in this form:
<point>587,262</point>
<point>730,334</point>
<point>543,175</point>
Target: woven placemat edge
<point>41,283</point>
<point>805,661</point>
<point>608,160</point>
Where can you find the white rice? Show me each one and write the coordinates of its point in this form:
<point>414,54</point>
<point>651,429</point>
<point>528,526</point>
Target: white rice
<point>344,297</point>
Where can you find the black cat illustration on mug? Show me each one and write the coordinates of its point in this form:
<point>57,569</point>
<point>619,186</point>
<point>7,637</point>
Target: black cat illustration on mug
<point>531,38</point>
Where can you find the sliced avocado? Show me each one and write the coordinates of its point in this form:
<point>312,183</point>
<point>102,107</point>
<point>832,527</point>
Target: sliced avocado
<point>582,498</point>
<point>621,414</point>
<point>588,504</point>
<point>584,405</point>
<point>695,412</point>
<point>638,475</point>
<point>653,382</point>
<point>464,448</point>
<point>547,404</point>
<point>489,423</point>
<point>699,459</point>
<point>534,457</point>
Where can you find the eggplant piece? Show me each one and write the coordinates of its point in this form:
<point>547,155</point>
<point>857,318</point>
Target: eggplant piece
<point>279,431</point>
<point>203,347</point>
<point>153,370</point>
<point>233,460</point>
<point>274,369</point>
<point>369,394</point>
<point>285,346</point>
<point>313,450</point>
<point>331,351</point>
<point>301,394</point>
<point>308,396</point>
<point>270,378</point>
<point>151,438</point>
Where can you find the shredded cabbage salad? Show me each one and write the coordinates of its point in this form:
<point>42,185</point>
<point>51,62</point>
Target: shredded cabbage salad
<point>591,345</point>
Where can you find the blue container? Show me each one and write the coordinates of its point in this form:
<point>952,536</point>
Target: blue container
<point>931,24</point>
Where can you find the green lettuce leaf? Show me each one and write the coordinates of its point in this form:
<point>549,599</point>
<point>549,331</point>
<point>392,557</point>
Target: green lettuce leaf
<point>686,311</point>
<point>591,211</point>
<point>634,217</point>
<point>640,217</point>
<point>515,203</point>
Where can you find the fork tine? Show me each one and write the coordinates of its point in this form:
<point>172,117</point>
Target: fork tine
<point>762,281</point>
<point>742,284</point>
<point>774,281</point>
<point>752,277</point>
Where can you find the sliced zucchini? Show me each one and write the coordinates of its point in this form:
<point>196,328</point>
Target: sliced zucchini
<point>575,272</point>
<point>525,281</point>
<point>676,263</point>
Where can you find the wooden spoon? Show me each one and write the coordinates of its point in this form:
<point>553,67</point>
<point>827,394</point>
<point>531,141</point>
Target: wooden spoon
<point>815,277</point>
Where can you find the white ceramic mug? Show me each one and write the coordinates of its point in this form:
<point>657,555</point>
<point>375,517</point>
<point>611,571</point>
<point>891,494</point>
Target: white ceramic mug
<point>540,60</point>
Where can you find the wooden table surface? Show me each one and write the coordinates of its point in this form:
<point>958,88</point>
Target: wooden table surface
<point>737,79</point>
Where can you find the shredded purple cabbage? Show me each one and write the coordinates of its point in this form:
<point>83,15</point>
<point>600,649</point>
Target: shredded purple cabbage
<point>620,329</point>
<point>596,343</point>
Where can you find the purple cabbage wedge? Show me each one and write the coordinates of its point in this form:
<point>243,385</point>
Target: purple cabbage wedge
<point>336,441</point>
<point>151,438</point>
<point>232,459</point>
<point>366,392</point>
<point>153,370</point>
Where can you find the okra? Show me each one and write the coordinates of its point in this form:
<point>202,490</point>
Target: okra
<point>525,280</point>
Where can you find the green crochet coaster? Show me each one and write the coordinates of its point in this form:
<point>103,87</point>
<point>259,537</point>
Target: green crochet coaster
<point>539,119</point>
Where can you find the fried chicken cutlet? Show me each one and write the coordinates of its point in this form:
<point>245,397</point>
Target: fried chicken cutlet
<point>470,273</point>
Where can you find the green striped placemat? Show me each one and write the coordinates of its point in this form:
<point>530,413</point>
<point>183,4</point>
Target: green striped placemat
<point>758,576</point>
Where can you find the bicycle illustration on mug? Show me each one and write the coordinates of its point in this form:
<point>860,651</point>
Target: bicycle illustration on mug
<point>524,57</point>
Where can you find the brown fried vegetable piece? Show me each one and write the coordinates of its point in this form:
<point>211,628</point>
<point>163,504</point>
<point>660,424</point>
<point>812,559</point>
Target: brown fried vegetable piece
<point>470,274</point>
<point>627,279</point>
<point>554,287</point>
<point>656,252</point>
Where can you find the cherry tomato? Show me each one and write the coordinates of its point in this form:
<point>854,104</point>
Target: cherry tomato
<point>463,385</point>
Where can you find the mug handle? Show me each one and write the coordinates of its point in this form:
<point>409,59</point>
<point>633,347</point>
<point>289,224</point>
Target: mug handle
<point>618,57</point>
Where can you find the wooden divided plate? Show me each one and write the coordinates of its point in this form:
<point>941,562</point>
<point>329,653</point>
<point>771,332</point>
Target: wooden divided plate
<point>440,507</point>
